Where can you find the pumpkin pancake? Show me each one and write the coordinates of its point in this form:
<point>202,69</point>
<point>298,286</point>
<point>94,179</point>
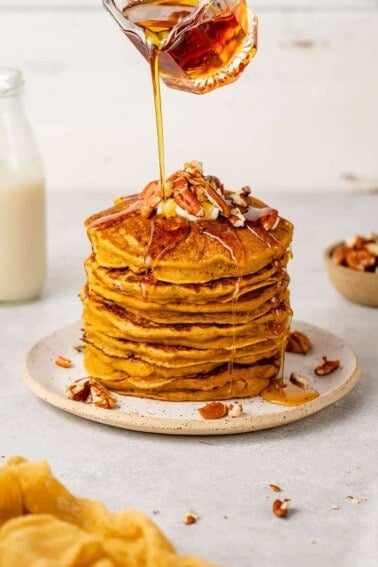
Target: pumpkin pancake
<point>247,308</point>
<point>185,252</point>
<point>245,381</point>
<point>144,285</point>
<point>174,355</point>
<point>117,322</point>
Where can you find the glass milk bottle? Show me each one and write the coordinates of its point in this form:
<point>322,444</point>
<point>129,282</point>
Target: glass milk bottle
<point>22,199</point>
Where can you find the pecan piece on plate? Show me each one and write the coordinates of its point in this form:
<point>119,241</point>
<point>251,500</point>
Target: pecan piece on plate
<point>298,343</point>
<point>234,410</point>
<point>63,362</point>
<point>299,380</point>
<point>213,410</point>
<point>326,366</point>
<point>89,391</point>
<point>101,397</point>
<point>79,390</point>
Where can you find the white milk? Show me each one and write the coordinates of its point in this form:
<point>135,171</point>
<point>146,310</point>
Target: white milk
<point>22,233</point>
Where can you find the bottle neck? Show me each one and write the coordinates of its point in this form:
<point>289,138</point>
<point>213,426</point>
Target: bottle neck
<point>18,150</point>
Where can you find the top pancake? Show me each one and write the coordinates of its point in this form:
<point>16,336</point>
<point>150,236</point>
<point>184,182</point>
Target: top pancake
<point>179,251</point>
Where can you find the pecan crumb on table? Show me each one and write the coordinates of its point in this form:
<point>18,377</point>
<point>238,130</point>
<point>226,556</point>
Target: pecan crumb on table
<point>190,518</point>
<point>280,507</point>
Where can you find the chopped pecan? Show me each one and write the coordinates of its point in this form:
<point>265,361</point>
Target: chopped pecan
<point>101,397</point>
<point>358,253</point>
<point>326,366</point>
<point>218,201</point>
<point>215,183</point>
<point>190,191</point>
<point>150,197</point>
<point>63,362</point>
<point>239,198</point>
<point>190,518</point>
<point>270,220</point>
<point>357,242</point>
<point>281,507</point>
<point>298,343</point>
<point>185,197</point>
<point>213,410</point>
<point>194,167</point>
<point>275,487</point>
<point>299,380</point>
<point>339,254</point>
<point>88,390</point>
<point>360,260</point>
<point>79,390</point>
<point>234,410</point>
<point>372,247</point>
<point>237,219</point>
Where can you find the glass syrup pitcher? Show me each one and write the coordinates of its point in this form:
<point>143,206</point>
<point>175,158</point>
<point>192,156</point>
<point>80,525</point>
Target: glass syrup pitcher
<point>201,45</point>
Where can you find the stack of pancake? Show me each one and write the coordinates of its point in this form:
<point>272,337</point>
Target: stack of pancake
<point>187,296</point>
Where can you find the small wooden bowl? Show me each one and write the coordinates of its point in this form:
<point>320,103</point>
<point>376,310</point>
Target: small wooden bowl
<point>359,287</point>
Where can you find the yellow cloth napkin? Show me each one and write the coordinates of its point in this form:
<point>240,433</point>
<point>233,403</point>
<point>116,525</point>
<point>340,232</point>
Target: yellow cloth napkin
<point>43,525</point>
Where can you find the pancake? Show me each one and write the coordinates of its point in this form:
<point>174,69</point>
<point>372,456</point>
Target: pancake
<point>187,298</point>
<point>247,308</point>
<point>117,322</point>
<point>246,381</point>
<point>186,252</point>
<point>174,355</point>
<point>144,285</point>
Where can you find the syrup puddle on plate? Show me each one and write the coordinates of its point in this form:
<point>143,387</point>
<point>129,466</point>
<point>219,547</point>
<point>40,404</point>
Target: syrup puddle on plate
<point>284,393</point>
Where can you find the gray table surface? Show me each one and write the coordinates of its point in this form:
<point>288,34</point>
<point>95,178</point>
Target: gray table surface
<point>318,461</point>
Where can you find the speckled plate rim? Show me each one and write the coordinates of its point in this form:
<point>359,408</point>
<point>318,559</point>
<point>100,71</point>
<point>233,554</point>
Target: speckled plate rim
<point>273,416</point>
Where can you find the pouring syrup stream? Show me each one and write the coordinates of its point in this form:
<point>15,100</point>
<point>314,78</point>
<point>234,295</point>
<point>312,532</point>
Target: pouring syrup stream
<point>154,64</point>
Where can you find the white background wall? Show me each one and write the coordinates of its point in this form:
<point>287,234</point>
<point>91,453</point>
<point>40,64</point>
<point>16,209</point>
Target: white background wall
<point>303,116</point>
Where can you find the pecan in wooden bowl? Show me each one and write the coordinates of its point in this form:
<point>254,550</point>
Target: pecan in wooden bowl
<point>352,267</point>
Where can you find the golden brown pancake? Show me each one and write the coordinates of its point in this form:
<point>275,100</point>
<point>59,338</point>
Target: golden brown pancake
<point>174,355</point>
<point>186,252</point>
<point>187,298</point>
<point>144,285</point>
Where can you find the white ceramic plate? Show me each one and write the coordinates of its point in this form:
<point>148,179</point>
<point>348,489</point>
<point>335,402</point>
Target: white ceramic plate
<point>48,381</point>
